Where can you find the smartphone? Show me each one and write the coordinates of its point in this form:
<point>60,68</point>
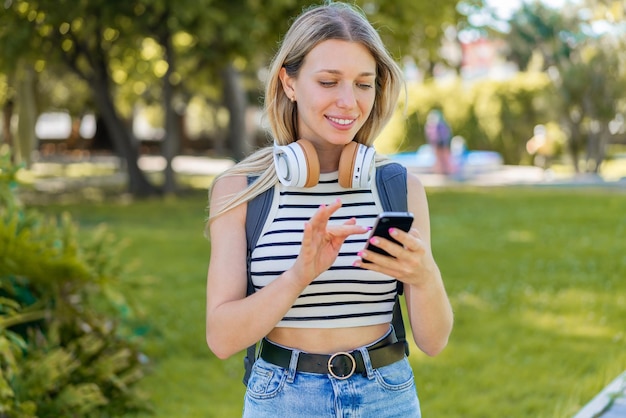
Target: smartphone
<point>384,221</point>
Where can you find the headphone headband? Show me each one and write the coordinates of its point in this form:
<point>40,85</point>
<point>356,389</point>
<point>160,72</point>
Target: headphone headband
<point>297,164</point>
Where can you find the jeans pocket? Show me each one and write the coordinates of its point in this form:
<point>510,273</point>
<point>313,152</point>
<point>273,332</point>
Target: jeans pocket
<point>395,377</point>
<point>265,380</point>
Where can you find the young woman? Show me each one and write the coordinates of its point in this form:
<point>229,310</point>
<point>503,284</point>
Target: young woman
<point>322,304</point>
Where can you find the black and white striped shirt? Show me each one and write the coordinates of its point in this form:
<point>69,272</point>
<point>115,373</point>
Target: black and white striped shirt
<point>342,296</point>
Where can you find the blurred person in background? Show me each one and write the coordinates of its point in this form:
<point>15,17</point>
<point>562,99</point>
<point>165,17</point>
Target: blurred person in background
<point>438,134</point>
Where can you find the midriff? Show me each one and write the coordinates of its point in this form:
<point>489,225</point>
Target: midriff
<point>327,340</point>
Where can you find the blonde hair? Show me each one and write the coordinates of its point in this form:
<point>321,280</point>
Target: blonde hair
<point>338,21</point>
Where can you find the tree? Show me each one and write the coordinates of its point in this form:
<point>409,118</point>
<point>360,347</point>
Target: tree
<point>85,36</point>
<point>416,29</point>
<point>587,67</point>
<point>215,45</point>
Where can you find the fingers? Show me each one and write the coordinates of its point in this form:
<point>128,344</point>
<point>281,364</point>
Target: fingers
<point>321,217</point>
<point>348,228</point>
<point>411,240</point>
<point>317,230</point>
<point>410,245</point>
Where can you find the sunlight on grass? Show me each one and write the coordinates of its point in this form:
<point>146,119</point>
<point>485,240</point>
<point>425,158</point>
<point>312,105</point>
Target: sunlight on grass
<point>73,170</point>
<point>610,170</point>
<point>613,170</point>
<point>520,236</point>
<point>196,182</point>
<point>575,312</point>
<point>570,325</point>
<point>473,301</point>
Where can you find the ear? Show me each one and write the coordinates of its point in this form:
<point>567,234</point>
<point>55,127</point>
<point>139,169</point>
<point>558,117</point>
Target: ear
<point>288,84</point>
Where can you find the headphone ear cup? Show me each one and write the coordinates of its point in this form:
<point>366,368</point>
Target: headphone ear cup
<point>297,164</point>
<point>312,163</point>
<point>356,165</point>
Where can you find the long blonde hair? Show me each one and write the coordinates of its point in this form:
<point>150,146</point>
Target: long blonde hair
<point>340,21</point>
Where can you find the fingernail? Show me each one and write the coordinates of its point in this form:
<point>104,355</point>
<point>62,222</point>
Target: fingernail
<point>392,231</point>
<point>374,240</point>
<point>361,254</point>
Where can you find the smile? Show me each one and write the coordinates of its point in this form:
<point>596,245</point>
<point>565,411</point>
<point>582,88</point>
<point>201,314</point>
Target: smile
<point>343,122</point>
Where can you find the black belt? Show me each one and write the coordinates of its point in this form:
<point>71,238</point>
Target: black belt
<point>340,365</point>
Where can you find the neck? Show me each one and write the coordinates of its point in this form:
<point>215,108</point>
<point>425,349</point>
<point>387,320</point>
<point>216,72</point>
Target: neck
<point>329,158</point>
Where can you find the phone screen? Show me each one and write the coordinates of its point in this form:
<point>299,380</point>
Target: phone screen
<point>386,220</point>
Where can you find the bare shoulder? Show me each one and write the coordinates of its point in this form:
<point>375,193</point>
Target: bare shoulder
<point>225,185</point>
<point>418,204</point>
<point>415,188</point>
<point>224,188</point>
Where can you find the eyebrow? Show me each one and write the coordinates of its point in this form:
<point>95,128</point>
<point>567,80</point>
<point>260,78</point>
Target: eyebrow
<point>363,74</point>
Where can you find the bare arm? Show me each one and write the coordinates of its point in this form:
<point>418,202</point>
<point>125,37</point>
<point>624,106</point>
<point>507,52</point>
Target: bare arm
<point>429,308</point>
<point>234,321</point>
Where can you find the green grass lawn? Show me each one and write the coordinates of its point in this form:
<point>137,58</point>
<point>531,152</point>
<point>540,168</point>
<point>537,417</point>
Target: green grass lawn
<point>536,277</point>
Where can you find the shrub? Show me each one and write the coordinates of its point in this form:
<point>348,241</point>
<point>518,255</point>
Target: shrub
<point>490,114</point>
<point>65,346</point>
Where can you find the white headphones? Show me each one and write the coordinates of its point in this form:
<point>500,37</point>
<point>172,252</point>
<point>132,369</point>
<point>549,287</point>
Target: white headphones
<point>297,164</point>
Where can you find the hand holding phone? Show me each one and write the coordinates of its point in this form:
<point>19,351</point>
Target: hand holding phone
<point>384,221</point>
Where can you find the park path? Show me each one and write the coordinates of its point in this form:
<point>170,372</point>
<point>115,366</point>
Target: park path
<point>505,175</point>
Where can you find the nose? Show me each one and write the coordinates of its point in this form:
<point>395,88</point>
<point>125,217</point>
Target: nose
<point>347,97</point>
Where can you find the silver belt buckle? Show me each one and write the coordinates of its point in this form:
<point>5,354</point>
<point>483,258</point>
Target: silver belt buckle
<point>331,365</point>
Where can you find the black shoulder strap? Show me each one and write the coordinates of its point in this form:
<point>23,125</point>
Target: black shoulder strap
<point>392,191</point>
<point>258,210</point>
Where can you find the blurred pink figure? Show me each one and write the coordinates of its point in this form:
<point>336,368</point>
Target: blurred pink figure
<point>438,134</point>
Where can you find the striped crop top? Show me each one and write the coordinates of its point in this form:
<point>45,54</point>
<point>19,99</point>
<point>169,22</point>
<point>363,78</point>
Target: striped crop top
<point>342,296</point>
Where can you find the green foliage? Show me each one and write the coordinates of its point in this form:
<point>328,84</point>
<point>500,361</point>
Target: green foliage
<point>490,115</point>
<point>587,69</point>
<point>4,90</point>
<point>64,347</point>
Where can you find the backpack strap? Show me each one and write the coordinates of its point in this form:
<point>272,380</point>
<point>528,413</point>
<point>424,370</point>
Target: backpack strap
<point>391,185</point>
<point>257,211</point>
<point>392,191</point>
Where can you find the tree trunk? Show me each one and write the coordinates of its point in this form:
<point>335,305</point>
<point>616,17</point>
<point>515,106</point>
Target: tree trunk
<point>125,145</point>
<point>236,103</point>
<point>573,141</point>
<point>603,141</point>
<point>171,142</point>
<point>101,140</point>
<point>27,110</point>
<point>7,115</point>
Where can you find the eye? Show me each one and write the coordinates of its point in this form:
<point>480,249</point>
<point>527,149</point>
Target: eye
<point>365,86</point>
<point>327,83</point>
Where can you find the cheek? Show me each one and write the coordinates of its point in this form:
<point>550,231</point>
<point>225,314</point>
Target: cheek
<point>367,105</point>
<point>316,102</point>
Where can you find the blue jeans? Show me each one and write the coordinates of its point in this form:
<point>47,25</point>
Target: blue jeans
<point>386,392</point>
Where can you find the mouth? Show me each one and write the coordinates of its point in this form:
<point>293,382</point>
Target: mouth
<point>343,122</point>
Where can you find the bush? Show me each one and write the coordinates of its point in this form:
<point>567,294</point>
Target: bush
<point>491,115</point>
<point>65,344</point>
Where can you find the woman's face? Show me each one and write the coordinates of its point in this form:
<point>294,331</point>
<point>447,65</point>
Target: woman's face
<point>334,91</point>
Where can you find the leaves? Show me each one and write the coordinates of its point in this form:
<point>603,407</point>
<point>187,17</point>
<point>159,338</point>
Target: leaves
<point>62,347</point>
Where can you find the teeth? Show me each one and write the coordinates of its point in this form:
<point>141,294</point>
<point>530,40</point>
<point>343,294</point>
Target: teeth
<point>342,121</point>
